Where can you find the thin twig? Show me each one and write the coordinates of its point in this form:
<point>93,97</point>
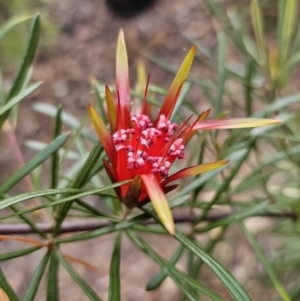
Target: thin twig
<point>89,225</point>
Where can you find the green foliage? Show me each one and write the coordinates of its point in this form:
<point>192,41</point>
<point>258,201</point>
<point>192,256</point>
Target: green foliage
<point>274,62</point>
<point>248,185</point>
<point>15,12</point>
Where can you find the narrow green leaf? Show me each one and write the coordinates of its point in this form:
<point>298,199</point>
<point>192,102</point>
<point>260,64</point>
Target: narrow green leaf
<point>253,210</point>
<point>114,291</point>
<point>208,249</point>
<point>99,101</point>
<point>280,20</point>
<point>295,150</point>
<point>90,293</point>
<point>153,229</point>
<point>31,195</point>
<point>186,290</point>
<point>176,201</point>
<point>158,279</point>
<point>265,263</point>
<point>18,98</point>
<point>278,105</point>
<point>36,279</point>
<point>203,82</point>
<point>295,47</point>
<point>184,281</point>
<point>227,279</point>
<point>199,153</point>
<point>248,86</point>
<point>33,163</point>
<point>77,142</point>
<point>241,28</point>
<point>28,58</point>
<point>82,177</point>
<point>291,138</point>
<point>68,119</point>
<point>25,69</point>
<point>142,245</point>
<point>70,199</point>
<point>20,253</point>
<point>53,280</point>
<point>55,156</point>
<point>249,183</point>
<point>2,91</point>
<point>258,28</point>
<point>63,152</point>
<point>287,20</point>
<point>7,288</point>
<point>221,71</point>
<point>218,12</point>
<point>233,157</point>
<point>183,93</point>
<point>4,29</point>
<point>191,260</point>
<point>91,209</point>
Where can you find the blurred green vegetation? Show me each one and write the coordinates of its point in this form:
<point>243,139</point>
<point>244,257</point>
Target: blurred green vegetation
<point>12,45</point>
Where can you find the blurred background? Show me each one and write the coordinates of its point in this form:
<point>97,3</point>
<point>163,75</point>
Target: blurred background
<point>78,42</point>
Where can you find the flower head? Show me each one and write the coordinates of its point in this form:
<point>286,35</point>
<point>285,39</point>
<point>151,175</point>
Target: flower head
<point>143,150</point>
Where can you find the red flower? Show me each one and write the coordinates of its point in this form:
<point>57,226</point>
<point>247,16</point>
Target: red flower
<point>143,150</point>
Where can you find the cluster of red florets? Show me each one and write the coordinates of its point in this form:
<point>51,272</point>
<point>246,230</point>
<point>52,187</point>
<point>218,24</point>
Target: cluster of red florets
<point>149,148</point>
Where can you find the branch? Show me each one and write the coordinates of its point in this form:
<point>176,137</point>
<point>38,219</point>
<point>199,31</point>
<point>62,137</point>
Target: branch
<point>89,225</point>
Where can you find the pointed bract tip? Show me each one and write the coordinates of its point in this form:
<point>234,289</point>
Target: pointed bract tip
<point>121,53</point>
<point>193,171</point>
<point>235,123</point>
<point>180,77</point>
<point>122,83</point>
<point>121,34</point>
<point>159,202</point>
<point>91,111</point>
<point>170,227</point>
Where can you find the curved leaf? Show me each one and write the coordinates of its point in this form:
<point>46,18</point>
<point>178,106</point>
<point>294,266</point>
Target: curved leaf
<point>266,264</point>
<point>15,100</point>
<point>28,58</point>
<point>158,279</point>
<point>58,202</point>
<point>53,281</point>
<point>36,279</point>
<point>185,282</point>
<point>11,24</point>
<point>227,279</point>
<point>114,292</point>
<point>19,253</point>
<point>5,286</point>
